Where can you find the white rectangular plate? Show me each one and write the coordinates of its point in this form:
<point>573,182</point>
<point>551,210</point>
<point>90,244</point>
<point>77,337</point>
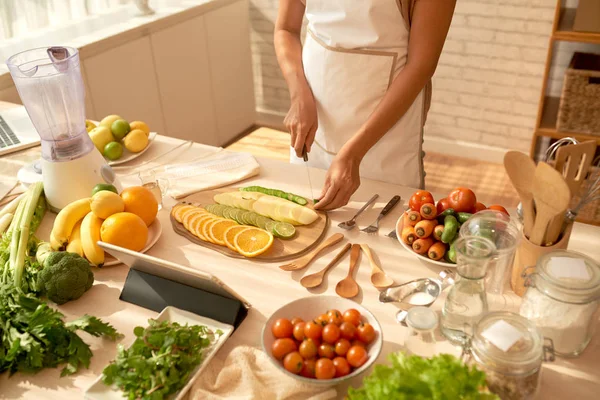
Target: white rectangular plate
<point>99,391</point>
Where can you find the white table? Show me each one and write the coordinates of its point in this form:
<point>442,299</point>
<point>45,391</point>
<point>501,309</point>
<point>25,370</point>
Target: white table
<point>266,287</point>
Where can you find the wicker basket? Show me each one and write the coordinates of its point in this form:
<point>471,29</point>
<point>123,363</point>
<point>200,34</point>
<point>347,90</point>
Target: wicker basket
<point>579,109</point>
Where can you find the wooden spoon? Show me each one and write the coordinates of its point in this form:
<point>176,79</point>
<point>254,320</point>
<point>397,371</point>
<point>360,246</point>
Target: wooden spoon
<point>314,280</point>
<point>302,262</point>
<point>552,197</point>
<point>521,171</point>
<point>348,287</point>
<point>379,279</point>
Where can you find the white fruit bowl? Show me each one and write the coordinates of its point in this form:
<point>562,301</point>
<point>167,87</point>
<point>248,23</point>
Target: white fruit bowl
<point>309,308</point>
<point>440,263</point>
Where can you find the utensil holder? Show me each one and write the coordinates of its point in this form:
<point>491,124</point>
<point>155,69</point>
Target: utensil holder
<point>527,255</point>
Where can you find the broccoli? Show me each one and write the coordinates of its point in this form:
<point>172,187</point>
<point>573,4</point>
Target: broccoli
<point>66,276</point>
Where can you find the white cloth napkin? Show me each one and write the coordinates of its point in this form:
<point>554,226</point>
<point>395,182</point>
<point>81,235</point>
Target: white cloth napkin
<point>248,374</point>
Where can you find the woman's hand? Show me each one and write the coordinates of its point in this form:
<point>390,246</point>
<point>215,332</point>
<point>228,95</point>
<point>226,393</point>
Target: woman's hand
<point>301,120</point>
<point>341,181</point>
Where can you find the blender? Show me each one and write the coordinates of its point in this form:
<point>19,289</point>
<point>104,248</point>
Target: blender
<point>51,88</point>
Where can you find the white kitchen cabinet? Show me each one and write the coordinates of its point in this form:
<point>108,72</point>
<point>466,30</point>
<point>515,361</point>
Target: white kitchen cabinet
<point>184,81</point>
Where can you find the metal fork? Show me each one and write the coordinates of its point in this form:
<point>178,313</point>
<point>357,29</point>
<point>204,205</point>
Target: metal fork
<point>374,227</point>
<point>351,223</point>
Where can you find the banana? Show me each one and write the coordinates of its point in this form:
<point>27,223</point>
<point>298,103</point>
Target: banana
<point>90,235</point>
<point>74,245</point>
<point>54,244</point>
<point>66,219</point>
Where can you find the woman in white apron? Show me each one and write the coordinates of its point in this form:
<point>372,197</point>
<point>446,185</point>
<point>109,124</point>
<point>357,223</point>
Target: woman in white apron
<point>360,87</point>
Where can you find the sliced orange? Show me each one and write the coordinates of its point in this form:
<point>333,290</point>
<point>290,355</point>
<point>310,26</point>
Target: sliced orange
<point>206,229</point>
<point>196,222</point>
<point>179,210</point>
<point>230,235</point>
<point>189,217</point>
<point>191,221</point>
<point>252,242</point>
<point>187,213</point>
<point>217,230</point>
<point>199,230</point>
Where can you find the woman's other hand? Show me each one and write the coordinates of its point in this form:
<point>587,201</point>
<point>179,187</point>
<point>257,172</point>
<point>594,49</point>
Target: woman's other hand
<point>301,120</point>
<point>341,182</point>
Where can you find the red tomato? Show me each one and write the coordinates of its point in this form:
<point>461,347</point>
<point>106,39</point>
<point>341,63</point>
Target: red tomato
<point>442,205</point>
<point>331,333</point>
<point>365,333</point>
<point>326,350</point>
<point>359,343</point>
<point>299,331</point>
<point>308,349</point>
<point>324,369</point>
<point>357,356</point>
<point>347,330</point>
<point>352,316</point>
<point>342,346</point>
<point>282,347</point>
<point>419,198</point>
<point>282,328</point>
<point>308,369</point>
<point>462,199</point>
<point>313,330</point>
<point>334,317</point>
<point>296,320</point>
<point>479,207</point>
<point>293,362</point>
<point>342,368</point>
<point>497,207</point>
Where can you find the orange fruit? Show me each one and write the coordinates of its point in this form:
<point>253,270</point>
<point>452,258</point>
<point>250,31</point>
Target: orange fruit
<point>189,222</point>
<point>217,230</point>
<point>141,202</point>
<point>141,126</point>
<point>199,230</point>
<point>230,235</point>
<point>179,210</point>
<point>126,230</point>
<point>206,229</point>
<point>189,217</point>
<point>197,224</point>
<point>253,242</point>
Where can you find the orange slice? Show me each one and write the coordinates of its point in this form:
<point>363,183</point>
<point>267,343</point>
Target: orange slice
<point>253,242</point>
<point>217,230</point>
<point>179,210</point>
<point>206,229</point>
<point>199,228</point>
<point>189,217</point>
<point>230,235</point>
<point>187,213</point>
<point>193,220</point>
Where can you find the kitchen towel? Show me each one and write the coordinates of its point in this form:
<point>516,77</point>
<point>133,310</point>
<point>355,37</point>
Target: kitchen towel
<point>248,374</point>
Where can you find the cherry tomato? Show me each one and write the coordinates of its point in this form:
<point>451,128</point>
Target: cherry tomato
<point>308,349</point>
<point>347,330</point>
<point>296,320</point>
<point>313,330</point>
<point>342,368</point>
<point>358,343</point>
<point>497,207</point>
<point>352,316</point>
<point>419,198</point>
<point>462,199</point>
<point>335,317</point>
<point>322,319</point>
<point>282,328</point>
<point>308,369</point>
<point>331,333</point>
<point>356,356</point>
<point>479,207</point>
<point>326,350</point>
<point>365,333</point>
<point>299,331</point>
<point>293,362</point>
<point>282,347</point>
<point>324,369</point>
<point>342,346</point>
<point>442,205</point>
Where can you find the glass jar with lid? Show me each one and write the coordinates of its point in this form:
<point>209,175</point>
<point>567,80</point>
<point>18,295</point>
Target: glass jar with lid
<point>510,350</point>
<point>562,299</point>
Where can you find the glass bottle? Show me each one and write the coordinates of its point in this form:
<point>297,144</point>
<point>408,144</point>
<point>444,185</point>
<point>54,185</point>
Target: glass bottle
<point>422,322</point>
<point>467,302</point>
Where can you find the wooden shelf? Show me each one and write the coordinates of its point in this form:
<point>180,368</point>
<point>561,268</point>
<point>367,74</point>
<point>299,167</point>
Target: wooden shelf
<point>565,29</point>
<point>548,123</point>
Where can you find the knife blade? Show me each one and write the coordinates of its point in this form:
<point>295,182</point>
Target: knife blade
<point>305,158</point>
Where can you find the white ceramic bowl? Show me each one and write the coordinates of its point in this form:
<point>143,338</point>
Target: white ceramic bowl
<point>440,263</point>
<point>309,308</point>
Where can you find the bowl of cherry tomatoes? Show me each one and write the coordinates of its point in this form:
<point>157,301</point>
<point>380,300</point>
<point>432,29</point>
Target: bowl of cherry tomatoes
<point>322,340</point>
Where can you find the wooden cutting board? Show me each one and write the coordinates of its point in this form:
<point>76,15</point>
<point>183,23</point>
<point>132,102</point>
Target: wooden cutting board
<point>306,238</point>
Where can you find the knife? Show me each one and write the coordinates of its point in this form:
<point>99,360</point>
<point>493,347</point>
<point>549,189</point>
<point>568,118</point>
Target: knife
<point>305,158</point>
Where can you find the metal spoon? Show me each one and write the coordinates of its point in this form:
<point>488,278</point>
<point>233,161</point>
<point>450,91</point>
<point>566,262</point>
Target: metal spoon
<point>348,287</point>
<point>314,280</point>
<point>379,279</point>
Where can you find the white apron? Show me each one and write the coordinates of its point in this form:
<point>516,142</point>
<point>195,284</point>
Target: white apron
<point>352,52</point>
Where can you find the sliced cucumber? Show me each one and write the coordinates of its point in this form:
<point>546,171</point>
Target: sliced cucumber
<point>284,230</point>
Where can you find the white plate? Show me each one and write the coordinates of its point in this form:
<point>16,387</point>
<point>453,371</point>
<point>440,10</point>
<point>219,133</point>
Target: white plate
<point>399,226</point>
<point>99,391</point>
<point>154,232</point>
<point>128,155</point>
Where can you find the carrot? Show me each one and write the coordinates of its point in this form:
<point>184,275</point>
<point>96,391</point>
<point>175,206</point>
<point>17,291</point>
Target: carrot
<point>437,232</point>
<point>408,235</point>
<point>420,246</point>
<point>428,211</point>
<point>413,217</point>
<point>424,228</point>
<point>437,251</point>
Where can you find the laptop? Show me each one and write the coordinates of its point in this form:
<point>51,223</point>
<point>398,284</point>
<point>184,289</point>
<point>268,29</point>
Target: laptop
<point>16,130</point>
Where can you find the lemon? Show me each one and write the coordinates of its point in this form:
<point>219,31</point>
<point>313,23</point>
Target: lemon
<point>140,125</point>
<point>109,119</point>
<point>101,136</point>
<point>136,141</point>
<point>106,203</point>
<point>89,125</point>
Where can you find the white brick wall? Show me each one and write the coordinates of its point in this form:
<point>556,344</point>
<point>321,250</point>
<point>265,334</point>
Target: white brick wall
<point>487,85</point>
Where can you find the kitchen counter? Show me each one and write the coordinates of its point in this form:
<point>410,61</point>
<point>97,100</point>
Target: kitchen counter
<point>266,287</point>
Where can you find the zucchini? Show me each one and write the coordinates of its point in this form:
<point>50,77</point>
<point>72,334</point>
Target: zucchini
<point>277,193</point>
<point>450,229</point>
<point>463,217</point>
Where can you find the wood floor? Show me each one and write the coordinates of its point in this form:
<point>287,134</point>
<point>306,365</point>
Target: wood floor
<point>443,173</point>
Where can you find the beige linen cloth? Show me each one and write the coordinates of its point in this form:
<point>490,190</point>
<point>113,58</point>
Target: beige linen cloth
<point>248,374</point>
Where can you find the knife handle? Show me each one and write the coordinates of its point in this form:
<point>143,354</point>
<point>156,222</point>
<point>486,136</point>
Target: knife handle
<point>388,207</point>
<point>305,154</point>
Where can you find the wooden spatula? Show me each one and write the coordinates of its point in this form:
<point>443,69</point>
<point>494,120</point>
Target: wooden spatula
<point>521,171</point>
<point>552,197</point>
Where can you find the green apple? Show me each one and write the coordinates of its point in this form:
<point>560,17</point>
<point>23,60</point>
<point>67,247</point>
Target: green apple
<point>108,120</point>
<point>120,128</point>
<point>101,136</point>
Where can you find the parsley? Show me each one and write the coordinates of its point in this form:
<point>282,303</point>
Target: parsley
<point>160,360</point>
